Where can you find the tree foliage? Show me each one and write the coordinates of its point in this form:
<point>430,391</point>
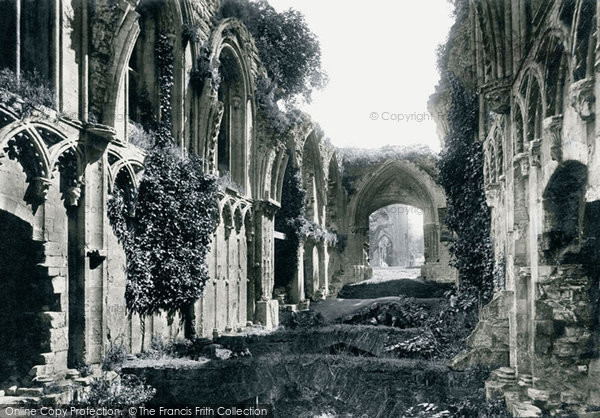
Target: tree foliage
<point>288,48</point>
<point>461,176</point>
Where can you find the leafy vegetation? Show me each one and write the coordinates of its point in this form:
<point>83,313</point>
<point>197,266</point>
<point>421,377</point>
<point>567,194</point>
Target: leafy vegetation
<point>139,137</point>
<point>114,356</point>
<point>281,120</point>
<point>127,390</point>
<point>287,47</point>
<point>205,69</point>
<point>461,176</point>
<point>168,237</point>
<point>354,162</point>
<point>30,87</point>
<point>167,228</point>
<point>404,313</point>
<point>289,216</point>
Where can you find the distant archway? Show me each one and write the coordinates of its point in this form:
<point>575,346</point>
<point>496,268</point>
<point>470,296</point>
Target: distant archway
<point>390,183</point>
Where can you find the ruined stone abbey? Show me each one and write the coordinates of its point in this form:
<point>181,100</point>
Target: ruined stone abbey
<point>533,64</point>
<point>62,268</point>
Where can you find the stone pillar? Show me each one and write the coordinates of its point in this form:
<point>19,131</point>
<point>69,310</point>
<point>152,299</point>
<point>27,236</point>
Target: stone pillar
<point>521,316</point>
<point>311,269</point>
<point>94,273</point>
<point>297,289</point>
<point>267,309</point>
<point>323,279</point>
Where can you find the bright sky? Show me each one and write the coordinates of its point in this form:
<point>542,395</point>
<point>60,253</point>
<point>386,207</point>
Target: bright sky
<point>380,57</point>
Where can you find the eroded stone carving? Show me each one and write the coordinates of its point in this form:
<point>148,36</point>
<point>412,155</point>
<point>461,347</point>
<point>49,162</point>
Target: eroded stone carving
<point>582,99</point>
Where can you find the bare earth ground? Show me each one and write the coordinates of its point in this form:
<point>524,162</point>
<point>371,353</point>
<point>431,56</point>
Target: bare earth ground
<point>326,368</point>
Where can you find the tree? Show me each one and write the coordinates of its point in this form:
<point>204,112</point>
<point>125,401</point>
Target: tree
<point>287,47</point>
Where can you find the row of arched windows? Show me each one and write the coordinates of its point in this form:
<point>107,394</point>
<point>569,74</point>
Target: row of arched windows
<point>31,42</point>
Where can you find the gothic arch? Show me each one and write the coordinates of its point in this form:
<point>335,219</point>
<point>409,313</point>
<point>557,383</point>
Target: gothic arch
<point>22,143</point>
<point>555,65</point>
<point>582,36</point>
<point>227,110</point>
<point>313,178</point>
<point>130,166</point>
<point>408,181</point>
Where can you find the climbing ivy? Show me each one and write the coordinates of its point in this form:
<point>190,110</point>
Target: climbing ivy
<point>168,237</point>
<point>167,229</point>
<point>461,176</point>
<point>287,221</point>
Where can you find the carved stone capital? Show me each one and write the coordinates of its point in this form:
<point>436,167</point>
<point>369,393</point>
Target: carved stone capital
<point>497,96</point>
<point>71,195</point>
<point>552,134</point>
<point>98,138</point>
<point>582,99</point>
<point>492,194</point>
<point>36,192</point>
<point>521,161</point>
<point>535,149</point>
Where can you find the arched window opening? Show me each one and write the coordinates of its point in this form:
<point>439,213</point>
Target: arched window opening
<point>231,143</point>
<point>500,153</point>
<point>534,112</point>
<point>142,77</point>
<point>396,239</point>
<point>27,35</point>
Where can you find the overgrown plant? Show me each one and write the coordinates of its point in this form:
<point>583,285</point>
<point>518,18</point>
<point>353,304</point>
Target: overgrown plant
<point>290,51</point>
<point>205,70</point>
<point>281,120</point>
<point>461,176</point>
<point>123,391</point>
<point>292,211</point>
<point>30,87</point>
<point>167,239</point>
<point>167,229</point>
<point>115,356</point>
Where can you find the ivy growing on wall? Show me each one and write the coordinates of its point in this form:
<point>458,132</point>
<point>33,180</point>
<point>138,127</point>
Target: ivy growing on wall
<point>167,238</point>
<point>291,220</point>
<point>204,70</point>
<point>30,87</point>
<point>289,216</point>
<point>461,176</point>
<point>166,230</point>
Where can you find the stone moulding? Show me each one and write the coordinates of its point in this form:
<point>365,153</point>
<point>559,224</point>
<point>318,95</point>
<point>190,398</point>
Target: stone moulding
<point>492,194</point>
<point>535,148</point>
<point>582,99</point>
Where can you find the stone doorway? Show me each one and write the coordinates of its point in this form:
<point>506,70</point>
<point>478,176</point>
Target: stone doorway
<point>22,297</point>
<point>396,237</point>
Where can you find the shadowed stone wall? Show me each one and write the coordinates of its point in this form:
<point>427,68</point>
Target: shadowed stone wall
<point>534,66</point>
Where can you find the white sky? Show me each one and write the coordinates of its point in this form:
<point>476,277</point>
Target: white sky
<point>380,57</point>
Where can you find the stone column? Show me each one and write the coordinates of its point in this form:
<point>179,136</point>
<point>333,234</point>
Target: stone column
<point>323,287</point>
<point>520,318</point>
<point>267,309</point>
<point>297,289</point>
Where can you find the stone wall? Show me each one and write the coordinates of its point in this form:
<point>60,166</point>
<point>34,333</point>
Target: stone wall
<point>59,166</point>
<point>533,64</point>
